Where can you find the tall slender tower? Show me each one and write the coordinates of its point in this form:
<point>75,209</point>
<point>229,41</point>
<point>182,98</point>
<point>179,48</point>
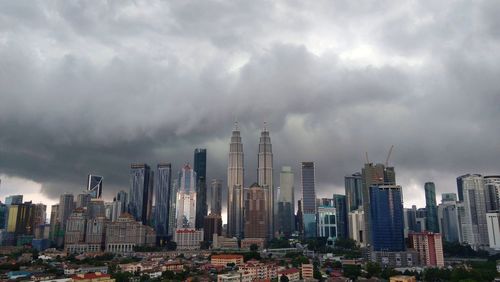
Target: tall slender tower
<point>431,222</point>
<point>200,167</point>
<point>186,198</point>
<point>162,191</point>
<point>235,174</point>
<point>141,192</point>
<point>265,175</point>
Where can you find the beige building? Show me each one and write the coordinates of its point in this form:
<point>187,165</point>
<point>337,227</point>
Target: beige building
<point>258,270</point>
<point>429,247</point>
<point>403,278</point>
<point>234,277</point>
<point>221,242</point>
<point>126,233</point>
<point>293,274</point>
<point>188,238</point>
<point>307,271</point>
<point>248,242</point>
<point>224,259</point>
<point>256,217</point>
<point>93,277</point>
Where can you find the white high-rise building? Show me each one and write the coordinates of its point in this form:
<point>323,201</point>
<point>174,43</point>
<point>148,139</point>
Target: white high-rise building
<point>235,174</point>
<point>493,223</point>
<point>357,225</point>
<point>186,198</point>
<point>285,219</point>
<point>265,175</point>
<point>474,227</point>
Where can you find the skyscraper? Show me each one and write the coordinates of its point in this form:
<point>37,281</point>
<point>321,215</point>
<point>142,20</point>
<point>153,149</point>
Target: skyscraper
<point>354,191</point>
<point>162,197</point>
<point>309,199</point>
<point>235,174</point>
<point>94,186</point>
<point>449,223</point>
<point>386,212</point>
<point>66,207</point>
<point>474,227</point>
<point>285,218</point>
<point>141,192</point>
<point>216,197</point>
<point>83,200</point>
<point>339,202</point>
<point>122,197</point>
<point>200,167</point>
<point>256,213</point>
<point>265,176</point>
<point>186,198</point>
<point>431,207</point>
<point>448,197</point>
<point>14,199</point>
<point>372,174</point>
<point>492,190</point>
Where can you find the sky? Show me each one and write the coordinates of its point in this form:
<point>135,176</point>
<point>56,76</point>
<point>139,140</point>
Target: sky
<point>93,86</point>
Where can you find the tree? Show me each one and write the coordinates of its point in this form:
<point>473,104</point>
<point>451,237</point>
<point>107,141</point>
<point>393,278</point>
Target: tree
<point>373,269</point>
<point>254,247</point>
<point>171,246</point>
<point>284,278</point>
<point>351,271</point>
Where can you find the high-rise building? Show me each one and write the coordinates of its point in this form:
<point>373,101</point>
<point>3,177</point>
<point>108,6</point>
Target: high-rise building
<point>54,222</point>
<point>162,197</point>
<point>429,247</point>
<point>448,197</point>
<point>39,218</point>
<point>122,197</point>
<point>357,225</point>
<point>410,220</point>
<point>308,199</point>
<point>386,211</point>
<point>126,233</point>
<point>256,214</point>
<point>339,202</point>
<point>474,227</point>
<point>299,219</point>
<point>74,235</point>
<point>94,186</point>
<point>212,226</point>
<point>4,214</point>
<point>449,223</point>
<point>235,174</point>
<point>265,176</point>
<point>492,190</point>
<point>372,174</point>
<point>66,207</point>
<point>431,207</point>
<point>285,210</point>
<point>493,223</point>
<point>216,197</point>
<point>21,218</point>
<point>141,192</point>
<point>186,198</point>
<point>83,200</point>
<point>200,167</point>
<point>327,223</point>
<point>96,208</point>
<point>354,191</point>
<point>14,199</point>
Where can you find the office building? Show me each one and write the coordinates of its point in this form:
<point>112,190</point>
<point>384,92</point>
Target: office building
<point>82,200</point>
<point>474,227</point>
<point>386,212</point>
<point>126,233</point>
<point>94,186</point>
<point>39,218</point>
<point>162,197</point>
<point>256,214</point>
<point>449,223</point>
<point>340,204</point>
<point>54,222</point>
<point>235,174</point>
<point>212,226</point>
<point>200,168</point>
<point>21,219</point>
<point>285,220</point>
<point>354,191</point>
<point>216,196</point>
<point>122,197</point>
<point>265,176</point>
<point>308,199</point>
<point>74,235</point>
<point>356,226</point>
<point>460,185</point>
<point>66,207</point>
<point>410,220</point>
<point>448,197</point>
<point>299,219</point>
<point>186,198</point>
<point>492,190</point>
<point>141,192</point>
<point>431,207</point>
<point>493,223</point>
<point>374,174</point>
<point>327,223</point>
<point>14,199</point>
<point>96,208</point>
<point>429,247</point>
<point>188,238</point>
<point>4,214</point>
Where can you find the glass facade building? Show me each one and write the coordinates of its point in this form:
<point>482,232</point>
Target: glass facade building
<point>94,186</point>
<point>185,215</point>
<point>200,167</point>
<point>339,202</point>
<point>431,208</point>
<point>309,199</point>
<point>285,210</point>
<point>327,222</point>
<point>141,192</point>
<point>354,191</point>
<point>386,212</point>
<point>163,191</point>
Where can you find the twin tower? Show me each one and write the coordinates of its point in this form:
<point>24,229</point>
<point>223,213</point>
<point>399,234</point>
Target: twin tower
<point>235,184</point>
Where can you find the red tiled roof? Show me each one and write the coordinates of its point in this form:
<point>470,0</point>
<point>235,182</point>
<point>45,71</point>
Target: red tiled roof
<point>289,271</point>
<point>89,276</point>
<point>187,230</point>
<point>227,256</point>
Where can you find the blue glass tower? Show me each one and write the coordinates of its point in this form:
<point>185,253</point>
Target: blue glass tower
<point>340,204</point>
<point>141,192</point>
<point>163,192</point>
<point>431,207</point>
<point>386,214</point>
<point>200,167</point>
<point>309,199</point>
<point>354,191</point>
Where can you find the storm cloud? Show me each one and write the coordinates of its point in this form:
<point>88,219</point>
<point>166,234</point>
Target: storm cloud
<point>92,86</point>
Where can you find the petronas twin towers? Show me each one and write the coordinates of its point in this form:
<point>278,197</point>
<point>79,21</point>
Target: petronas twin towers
<point>235,182</point>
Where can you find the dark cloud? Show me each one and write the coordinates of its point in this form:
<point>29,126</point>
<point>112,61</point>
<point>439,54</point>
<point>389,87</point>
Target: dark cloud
<point>92,87</point>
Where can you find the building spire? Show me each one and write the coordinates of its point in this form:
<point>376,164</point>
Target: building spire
<point>235,125</point>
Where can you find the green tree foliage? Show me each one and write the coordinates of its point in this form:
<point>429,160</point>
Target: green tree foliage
<point>254,247</point>
<point>351,271</point>
<point>276,243</point>
<point>373,269</point>
<point>284,278</point>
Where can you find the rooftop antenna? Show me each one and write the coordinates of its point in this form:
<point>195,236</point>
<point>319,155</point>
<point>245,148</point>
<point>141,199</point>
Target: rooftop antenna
<point>265,125</point>
<point>388,156</point>
<point>366,156</point>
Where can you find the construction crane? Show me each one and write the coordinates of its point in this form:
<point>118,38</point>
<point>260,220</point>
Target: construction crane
<point>388,156</point>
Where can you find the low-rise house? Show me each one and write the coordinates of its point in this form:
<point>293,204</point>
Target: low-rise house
<point>293,274</point>
<point>82,269</point>
<point>224,259</point>
<point>234,277</point>
<point>92,277</point>
<point>259,270</point>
